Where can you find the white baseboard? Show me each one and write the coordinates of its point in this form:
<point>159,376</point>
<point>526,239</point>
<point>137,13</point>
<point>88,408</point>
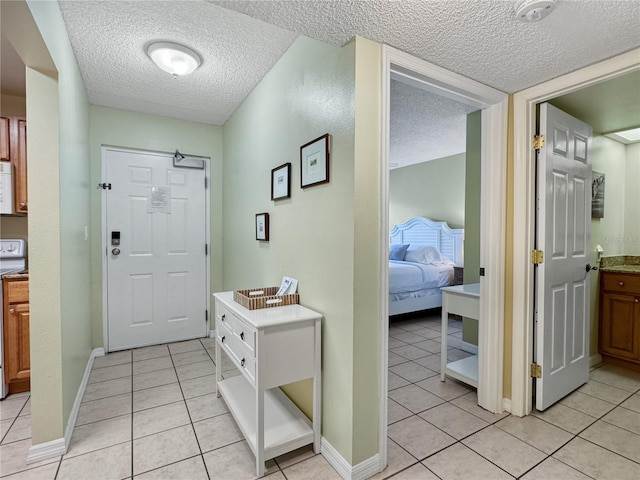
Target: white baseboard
<point>212,333</point>
<point>506,404</point>
<point>46,450</point>
<point>595,360</point>
<point>469,347</point>
<point>73,416</point>
<point>363,470</point>
<point>54,448</point>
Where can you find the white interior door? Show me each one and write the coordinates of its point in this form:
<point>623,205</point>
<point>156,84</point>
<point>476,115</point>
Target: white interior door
<point>563,233</point>
<point>156,272</point>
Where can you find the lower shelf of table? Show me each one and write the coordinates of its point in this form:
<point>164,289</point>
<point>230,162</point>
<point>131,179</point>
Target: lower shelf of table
<point>285,426</point>
<point>465,370</point>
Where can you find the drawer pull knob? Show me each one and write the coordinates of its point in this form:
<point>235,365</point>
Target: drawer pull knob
<point>621,284</point>
<point>222,318</point>
<point>13,310</point>
<point>222,339</point>
<point>241,335</point>
<point>242,363</point>
<point>637,301</point>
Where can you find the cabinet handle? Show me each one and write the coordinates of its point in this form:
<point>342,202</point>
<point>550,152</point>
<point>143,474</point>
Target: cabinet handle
<point>621,284</point>
<point>222,339</point>
<point>241,335</point>
<point>637,301</point>
<point>13,310</point>
<point>222,318</point>
<point>22,204</point>
<point>242,362</point>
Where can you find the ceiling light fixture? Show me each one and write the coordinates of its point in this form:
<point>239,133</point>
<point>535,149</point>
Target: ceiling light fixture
<point>174,58</point>
<point>626,136</point>
<point>529,11</point>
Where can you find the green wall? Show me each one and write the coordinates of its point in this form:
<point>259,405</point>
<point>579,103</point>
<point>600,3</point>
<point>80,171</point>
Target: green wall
<point>434,189</point>
<point>58,212</point>
<point>121,128</point>
<point>309,92</point>
<point>472,216</point>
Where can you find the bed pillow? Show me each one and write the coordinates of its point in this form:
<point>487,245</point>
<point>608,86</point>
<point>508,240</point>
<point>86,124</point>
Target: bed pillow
<point>423,254</point>
<point>397,251</point>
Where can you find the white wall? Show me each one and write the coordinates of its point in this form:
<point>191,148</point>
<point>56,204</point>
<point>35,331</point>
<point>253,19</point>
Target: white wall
<point>632,200</point>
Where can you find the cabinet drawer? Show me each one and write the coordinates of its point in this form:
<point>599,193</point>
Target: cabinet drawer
<point>621,282</point>
<point>17,292</point>
<point>246,335</point>
<point>225,317</point>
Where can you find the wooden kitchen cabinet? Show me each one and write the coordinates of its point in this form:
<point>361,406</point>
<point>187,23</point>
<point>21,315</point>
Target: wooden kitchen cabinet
<point>13,148</point>
<point>620,318</point>
<point>17,362</point>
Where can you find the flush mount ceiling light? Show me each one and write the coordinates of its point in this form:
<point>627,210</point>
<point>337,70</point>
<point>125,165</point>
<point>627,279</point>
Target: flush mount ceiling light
<point>533,10</point>
<point>174,58</point>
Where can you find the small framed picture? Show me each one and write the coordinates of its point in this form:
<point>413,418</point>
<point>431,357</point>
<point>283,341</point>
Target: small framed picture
<point>314,162</point>
<point>281,182</point>
<point>262,226</point>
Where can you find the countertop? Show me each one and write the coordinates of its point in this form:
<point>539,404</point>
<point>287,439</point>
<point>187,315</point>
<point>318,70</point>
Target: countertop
<point>621,264</point>
<point>24,275</point>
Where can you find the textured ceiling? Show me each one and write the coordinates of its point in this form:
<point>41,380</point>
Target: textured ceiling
<point>109,40</point>
<point>480,39</point>
<point>424,126</point>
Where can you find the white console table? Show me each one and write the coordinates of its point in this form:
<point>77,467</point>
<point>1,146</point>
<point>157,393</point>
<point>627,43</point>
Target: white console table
<point>271,347</point>
<point>462,300</point>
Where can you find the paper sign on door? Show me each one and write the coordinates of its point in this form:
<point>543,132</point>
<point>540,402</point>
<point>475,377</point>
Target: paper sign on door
<point>159,200</point>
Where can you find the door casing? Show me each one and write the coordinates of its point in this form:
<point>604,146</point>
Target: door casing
<point>524,128</point>
<point>494,105</point>
<point>104,242</point>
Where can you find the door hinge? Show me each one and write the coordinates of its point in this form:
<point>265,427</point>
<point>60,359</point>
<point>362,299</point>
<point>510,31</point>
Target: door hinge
<point>537,257</point>
<point>206,249</point>
<point>104,186</point>
<point>205,183</point>
<point>538,142</point>
<point>535,370</point>
<point>206,315</point>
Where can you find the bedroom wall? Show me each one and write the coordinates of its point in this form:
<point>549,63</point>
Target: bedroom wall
<point>434,189</point>
<point>472,216</point>
<point>309,92</point>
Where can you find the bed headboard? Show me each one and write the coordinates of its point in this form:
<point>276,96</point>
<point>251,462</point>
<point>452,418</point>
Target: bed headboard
<point>421,230</point>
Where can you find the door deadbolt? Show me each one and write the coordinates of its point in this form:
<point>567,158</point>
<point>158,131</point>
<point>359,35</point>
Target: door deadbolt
<point>115,251</point>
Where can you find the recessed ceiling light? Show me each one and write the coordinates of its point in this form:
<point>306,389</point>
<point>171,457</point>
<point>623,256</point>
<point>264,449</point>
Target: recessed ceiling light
<point>625,136</point>
<point>174,58</point>
<point>533,10</point>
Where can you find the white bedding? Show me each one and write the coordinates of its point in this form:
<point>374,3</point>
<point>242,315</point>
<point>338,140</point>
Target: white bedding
<point>407,277</point>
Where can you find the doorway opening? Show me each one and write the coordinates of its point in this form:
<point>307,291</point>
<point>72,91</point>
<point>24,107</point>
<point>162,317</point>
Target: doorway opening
<point>400,66</point>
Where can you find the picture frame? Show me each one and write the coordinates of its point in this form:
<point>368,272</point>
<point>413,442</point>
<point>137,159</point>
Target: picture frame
<point>262,227</point>
<point>597,194</point>
<point>314,162</point>
<point>281,182</point>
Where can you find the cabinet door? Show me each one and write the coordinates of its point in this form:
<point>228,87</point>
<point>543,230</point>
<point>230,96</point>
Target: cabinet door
<point>16,343</point>
<point>4,139</point>
<point>621,325</point>
<point>19,154</point>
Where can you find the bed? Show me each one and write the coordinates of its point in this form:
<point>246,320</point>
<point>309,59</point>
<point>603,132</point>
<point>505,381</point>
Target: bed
<point>417,272</point>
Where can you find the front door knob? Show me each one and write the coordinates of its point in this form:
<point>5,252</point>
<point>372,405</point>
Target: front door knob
<point>115,251</point>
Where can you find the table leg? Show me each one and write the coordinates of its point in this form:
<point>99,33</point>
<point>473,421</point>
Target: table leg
<point>218,366</point>
<point>445,325</point>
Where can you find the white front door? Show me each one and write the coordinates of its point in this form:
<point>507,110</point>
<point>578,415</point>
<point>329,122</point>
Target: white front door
<point>563,233</point>
<point>156,240</point>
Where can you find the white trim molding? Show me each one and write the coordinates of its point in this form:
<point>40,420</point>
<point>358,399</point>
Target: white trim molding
<point>595,360</point>
<point>361,471</point>
<point>59,446</point>
<point>524,124</point>
<point>494,104</point>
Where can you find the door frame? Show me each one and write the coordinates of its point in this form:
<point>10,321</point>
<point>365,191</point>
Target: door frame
<point>494,105</point>
<point>104,243</point>
<point>524,125</point>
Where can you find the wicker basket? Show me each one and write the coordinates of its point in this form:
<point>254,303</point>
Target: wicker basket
<point>266,299</point>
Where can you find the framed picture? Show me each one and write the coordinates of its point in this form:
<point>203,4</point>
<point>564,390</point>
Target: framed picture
<point>262,226</point>
<point>281,182</point>
<point>314,162</point>
<point>597,195</point>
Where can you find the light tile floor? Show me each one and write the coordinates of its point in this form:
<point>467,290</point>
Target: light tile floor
<point>152,413</point>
